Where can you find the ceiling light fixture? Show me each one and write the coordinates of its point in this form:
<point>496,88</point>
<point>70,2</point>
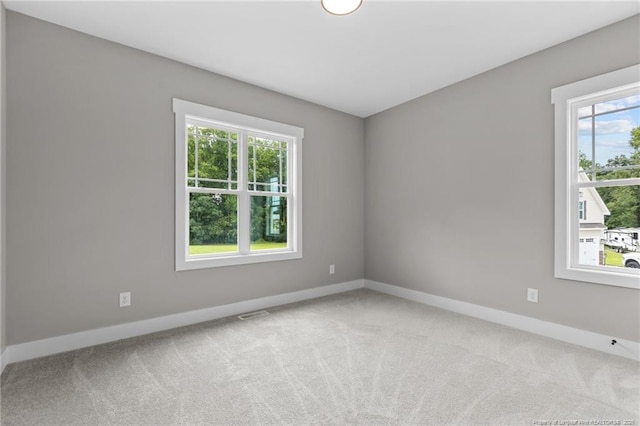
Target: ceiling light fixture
<point>341,7</point>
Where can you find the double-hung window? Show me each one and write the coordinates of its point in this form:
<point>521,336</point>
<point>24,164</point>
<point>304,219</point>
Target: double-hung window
<point>597,179</point>
<point>238,183</point>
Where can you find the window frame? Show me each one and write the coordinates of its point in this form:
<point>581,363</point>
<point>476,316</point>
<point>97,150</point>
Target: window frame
<point>567,100</point>
<point>185,111</point>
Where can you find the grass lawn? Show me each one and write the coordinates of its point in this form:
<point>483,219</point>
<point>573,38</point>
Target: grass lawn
<point>226,248</point>
<point>612,258</point>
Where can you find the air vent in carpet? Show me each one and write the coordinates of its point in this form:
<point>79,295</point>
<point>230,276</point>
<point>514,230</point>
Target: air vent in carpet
<point>253,315</point>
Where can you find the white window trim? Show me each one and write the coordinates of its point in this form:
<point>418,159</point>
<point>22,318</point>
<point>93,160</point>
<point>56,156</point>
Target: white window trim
<point>183,261</point>
<point>564,98</point>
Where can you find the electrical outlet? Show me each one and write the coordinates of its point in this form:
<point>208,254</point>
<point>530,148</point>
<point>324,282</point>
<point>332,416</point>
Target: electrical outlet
<point>532,295</point>
<point>332,269</point>
<point>125,299</point>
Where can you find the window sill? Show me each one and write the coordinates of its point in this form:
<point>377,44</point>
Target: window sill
<point>202,262</point>
<point>630,279</point>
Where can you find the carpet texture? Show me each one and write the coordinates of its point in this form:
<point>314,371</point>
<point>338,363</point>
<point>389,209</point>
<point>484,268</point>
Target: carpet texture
<point>356,358</point>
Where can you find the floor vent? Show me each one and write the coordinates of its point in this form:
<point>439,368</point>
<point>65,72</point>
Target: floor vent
<point>253,315</point>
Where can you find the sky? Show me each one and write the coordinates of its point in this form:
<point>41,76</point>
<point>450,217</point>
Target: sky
<point>611,129</point>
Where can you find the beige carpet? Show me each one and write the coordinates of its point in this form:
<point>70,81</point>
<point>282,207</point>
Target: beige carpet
<point>356,358</point>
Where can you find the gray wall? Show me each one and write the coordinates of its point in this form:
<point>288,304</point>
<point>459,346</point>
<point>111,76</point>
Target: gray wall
<point>459,189</point>
<point>90,191</point>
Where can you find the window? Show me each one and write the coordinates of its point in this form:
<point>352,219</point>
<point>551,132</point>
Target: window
<point>238,183</point>
<point>597,182</point>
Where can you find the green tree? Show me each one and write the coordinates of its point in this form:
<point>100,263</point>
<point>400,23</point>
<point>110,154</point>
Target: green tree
<point>623,201</point>
<point>267,171</point>
<point>584,163</point>
<point>213,217</point>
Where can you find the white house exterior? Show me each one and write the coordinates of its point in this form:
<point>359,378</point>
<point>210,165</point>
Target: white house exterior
<point>591,212</point>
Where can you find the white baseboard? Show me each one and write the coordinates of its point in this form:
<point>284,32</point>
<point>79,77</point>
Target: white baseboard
<point>53,345</point>
<point>83,339</point>
<point>600,342</point>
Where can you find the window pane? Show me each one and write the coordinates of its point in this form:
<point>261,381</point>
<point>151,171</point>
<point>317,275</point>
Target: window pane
<point>617,104</point>
<point>213,223</point>
<point>623,203</point>
<point>191,152</point>
<point>612,138</point>
<point>585,143</point>
<point>212,183</point>
<point>609,222</point>
<point>267,164</point>
<point>609,137</point>
<point>284,157</point>
<point>614,105</point>
<point>268,223</point>
<point>632,171</point>
<point>215,156</point>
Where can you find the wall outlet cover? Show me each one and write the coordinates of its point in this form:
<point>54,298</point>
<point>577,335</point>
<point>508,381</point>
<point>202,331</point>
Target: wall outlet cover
<point>125,299</point>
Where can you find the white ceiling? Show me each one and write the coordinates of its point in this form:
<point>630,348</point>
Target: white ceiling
<point>386,53</point>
